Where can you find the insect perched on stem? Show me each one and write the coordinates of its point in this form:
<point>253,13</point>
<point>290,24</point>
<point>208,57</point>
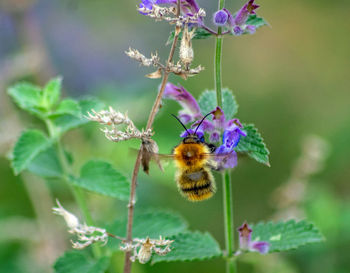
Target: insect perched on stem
<point>194,159</point>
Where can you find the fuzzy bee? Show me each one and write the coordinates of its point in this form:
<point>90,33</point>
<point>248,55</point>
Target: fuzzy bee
<point>194,159</point>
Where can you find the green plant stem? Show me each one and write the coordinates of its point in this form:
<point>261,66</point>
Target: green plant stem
<point>227,186</point>
<point>229,225</point>
<point>217,61</point>
<point>76,191</point>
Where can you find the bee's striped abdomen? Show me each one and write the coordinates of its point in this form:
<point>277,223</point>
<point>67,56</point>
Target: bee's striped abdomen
<point>196,185</point>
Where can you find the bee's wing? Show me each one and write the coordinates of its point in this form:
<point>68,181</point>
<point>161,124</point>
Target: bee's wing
<point>217,161</point>
<point>147,156</point>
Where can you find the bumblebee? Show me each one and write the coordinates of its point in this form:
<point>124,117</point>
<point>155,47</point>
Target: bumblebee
<point>194,159</point>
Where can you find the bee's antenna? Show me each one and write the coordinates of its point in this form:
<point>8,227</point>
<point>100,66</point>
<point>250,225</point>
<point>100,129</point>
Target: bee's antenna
<point>181,123</point>
<point>201,122</point>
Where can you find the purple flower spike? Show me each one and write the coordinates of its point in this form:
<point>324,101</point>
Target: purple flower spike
<point>243,13</point>
<point>220,18</point>
<point>245,241</point>
<point>185,99</point>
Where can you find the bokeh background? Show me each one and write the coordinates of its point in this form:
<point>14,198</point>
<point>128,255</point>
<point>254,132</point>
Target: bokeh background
<point>290,79</point>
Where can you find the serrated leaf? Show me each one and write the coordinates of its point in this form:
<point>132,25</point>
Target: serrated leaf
<point>189,246</point>
<point>207,102</point>
<point>256,21</point>
<point>28,97</point>
<point>68,122</point>
<point>151,223</point>
<point>78,262</point>
<point>286,235</point>
<point>100,177</point>
<point>68,106</point>
<point>199,33</point>
<point>253,145</point>
<point>27,147</point>
<point>46,164</point>
<point>51,93</point>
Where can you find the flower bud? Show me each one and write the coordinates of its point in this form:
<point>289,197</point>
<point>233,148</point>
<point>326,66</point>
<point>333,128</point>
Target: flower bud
<point>220,18</point>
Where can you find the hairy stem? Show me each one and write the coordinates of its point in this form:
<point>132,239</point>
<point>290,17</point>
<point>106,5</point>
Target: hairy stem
<point>227,186</point>
<point>77,192</point>
<point>154,110</point>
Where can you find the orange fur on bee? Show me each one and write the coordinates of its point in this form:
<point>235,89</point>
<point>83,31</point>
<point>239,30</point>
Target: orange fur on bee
<point>194,179</point>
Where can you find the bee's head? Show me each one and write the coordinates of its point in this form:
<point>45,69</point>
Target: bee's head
<point>193,136</point>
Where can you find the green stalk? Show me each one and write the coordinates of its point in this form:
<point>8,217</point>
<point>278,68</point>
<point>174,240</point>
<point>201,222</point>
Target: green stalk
<point>76,191</point>
<point>227,186</point>
<point>217,61</point>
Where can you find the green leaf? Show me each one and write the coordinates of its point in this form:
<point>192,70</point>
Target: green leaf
<point>151,223</point>
<point>100,177</point>
<point>199,33</point>
<point>68,106</point>
<point>27,147</point>
<point>78,262</point>
<point>189,246</point>
<point>256,21</point>
<point>51,93</point>
<point>207,102</point>
<point>67,122</point>
<point>46,164</point>
<point>286,235</point>
<point>253,145</point>
<point>28,97</point>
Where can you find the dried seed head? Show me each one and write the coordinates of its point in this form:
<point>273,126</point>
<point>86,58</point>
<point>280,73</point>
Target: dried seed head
<point>114,119</point>
<point>86,235</point>
<point>136,55</point>
<point>144,248</point>
<point>186,50</point>
<point>145,252</point>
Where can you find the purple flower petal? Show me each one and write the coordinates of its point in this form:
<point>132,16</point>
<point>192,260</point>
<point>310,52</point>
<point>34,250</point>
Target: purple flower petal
<point>185,118</point>
<point>183,97</point>
<point>230,19</point>
<point>218,118</point>
<point>261,246</point>
<point>206,125</point>
<point>237,30</point>
<point>245,236</point>
<point>232,136</point>
<point>220,18</point>
<point>199,133</point>
<point>226,158</point>
<point>214,136</point>
<point>251,29</point>
<point>243,13</point>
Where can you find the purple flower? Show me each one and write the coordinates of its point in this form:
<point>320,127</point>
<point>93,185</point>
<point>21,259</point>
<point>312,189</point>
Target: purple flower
<point>237,24</point>
<point>231,130</point>
<point>191,110</point>
<point>199,133</point>
<point>220,18</point>
<point>242,15</point>
<point>245,241</point>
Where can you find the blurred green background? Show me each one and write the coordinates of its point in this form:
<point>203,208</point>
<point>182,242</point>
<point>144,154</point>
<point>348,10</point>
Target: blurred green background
<point>290,79</point>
